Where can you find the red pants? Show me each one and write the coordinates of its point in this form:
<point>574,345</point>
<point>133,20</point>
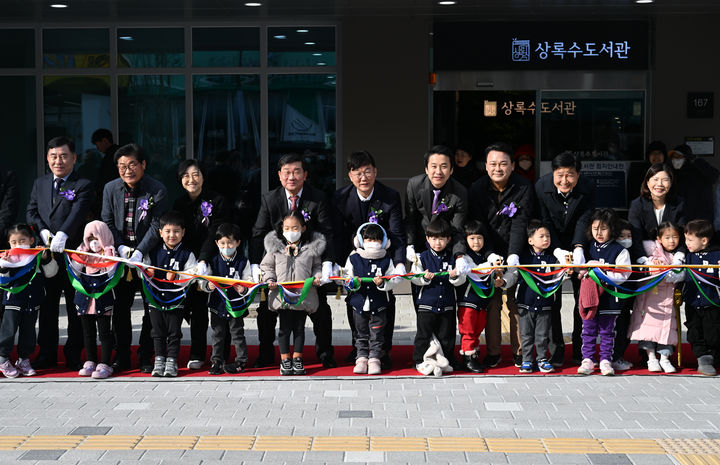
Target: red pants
<point>471,324</point>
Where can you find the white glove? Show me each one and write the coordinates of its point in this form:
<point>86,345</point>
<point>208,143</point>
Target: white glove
<point>462,266</point>
<point>493,257</point>
<point>399,269</point>
<point>201,268</point>
<point>513,260</point>
<point>578,256</point>
<point>561,255</point>
<point>124,251</point>
<point>643,260</point>
<point>255,271</point>
<point>410,254</point>
<point>327,268</point>
<point>46,236</point>
<point>336,269</point>
<point>678,258</point>
<point>136,257</point>
<point>58,242</point>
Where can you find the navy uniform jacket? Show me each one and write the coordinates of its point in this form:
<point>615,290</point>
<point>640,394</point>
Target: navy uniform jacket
<point>466,296</point>
<point>235,268</point>
<point>369,268</point>
<point>528,299</point>
<point>691,295</point>
<point>178,259</point>
<point>438,295</point>
<point>30,298</point>
<point>608,252</point>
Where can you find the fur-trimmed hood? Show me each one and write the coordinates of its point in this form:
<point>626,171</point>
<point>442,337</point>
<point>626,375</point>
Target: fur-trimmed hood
<point>316,246</point>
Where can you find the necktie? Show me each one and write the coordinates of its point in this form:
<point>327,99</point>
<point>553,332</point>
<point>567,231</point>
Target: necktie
<point>436,197</point>
<point>57,184</point>
<point>294,200</point>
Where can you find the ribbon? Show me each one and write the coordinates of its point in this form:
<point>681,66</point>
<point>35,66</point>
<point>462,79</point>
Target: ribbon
<point>697,284</point>
<point>107,286</point>
<point>545,292</point>
<point>623,295</point>
<point>291,298</point>
<point>34,265</point>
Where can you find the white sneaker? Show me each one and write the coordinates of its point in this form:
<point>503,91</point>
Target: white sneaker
<point>361,366</point>
<point>24,367</point>
<point>667,365</point>
<point>654,366</point>
<point>621,365</point>
<point>586,367</point>
<point>195,364</point>
<point>606,368</point>
<point>7,369</point>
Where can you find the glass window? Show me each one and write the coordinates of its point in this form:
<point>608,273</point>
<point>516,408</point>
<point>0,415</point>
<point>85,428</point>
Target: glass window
<point>151,48</point>
<point>151,113</point>
<point>17,48</point>
<point>301,46</point>
<point>302,120</point>
<point>76,48</point>
<point>227,46</point>
<point>18,93</point>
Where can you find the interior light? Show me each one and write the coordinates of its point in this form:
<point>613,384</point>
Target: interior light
<point>125,37</point>
<point>280,37</point>
<point>253,4</point>
<point>446,2</point>
<point>317,54</point>
<point>302,30</point>
<point>321,64</point>
<point>309,43</point>
<point>58,5</point>
<point>644,1</point>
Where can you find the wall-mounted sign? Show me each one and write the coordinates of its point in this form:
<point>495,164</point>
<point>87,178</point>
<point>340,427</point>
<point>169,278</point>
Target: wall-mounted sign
<point>523,107</point>
<point>541,45</point>
<point>700,104</point>
<point>609,180</point>
<point>701,146</point>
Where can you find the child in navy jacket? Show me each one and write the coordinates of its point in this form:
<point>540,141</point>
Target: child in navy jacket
<point>227,263</point>
<point>166,319</point>
<point>436,297</point>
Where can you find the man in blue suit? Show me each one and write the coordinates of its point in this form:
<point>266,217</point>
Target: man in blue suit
<point>59,205</point>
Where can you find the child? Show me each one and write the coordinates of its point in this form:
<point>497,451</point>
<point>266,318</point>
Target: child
<point>653,322</point>
<point>293,253</point>
<point>472,309</point>
<point>21,309</point>
<point>96,314</point>
<point>602,250</point>
<point>370,300</point>
<point>623,320</point>
<point>703,315</point>
<point>166,319</point>
<point>227,263</point>
<point>533,309</point>
<point>436,296</point>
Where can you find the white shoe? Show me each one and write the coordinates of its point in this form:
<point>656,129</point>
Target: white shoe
<point>23,366</point>
<point>654,366</point>
<point>586,367</point>
<point>361,366</point>
<point>667,365</point>
<point>606,368</point>
<point>195,364</point>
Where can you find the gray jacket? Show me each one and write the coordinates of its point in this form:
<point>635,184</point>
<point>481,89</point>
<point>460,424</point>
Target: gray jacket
<point>278,266</point>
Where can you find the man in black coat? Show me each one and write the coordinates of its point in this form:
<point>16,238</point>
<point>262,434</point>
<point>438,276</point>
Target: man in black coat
<point>294,194</point>
<point>367,200</point>
<point>59,204</point>
<point>566,200</point>
<point>132,206</point>
<point>504,201</point>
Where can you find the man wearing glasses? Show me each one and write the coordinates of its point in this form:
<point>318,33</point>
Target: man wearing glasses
<point>367,200</point>
<point>132,206</point>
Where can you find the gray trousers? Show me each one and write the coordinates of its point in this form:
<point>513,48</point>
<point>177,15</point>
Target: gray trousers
<point>221,328</point>
<point>535,333</point>
<point>370,333</point>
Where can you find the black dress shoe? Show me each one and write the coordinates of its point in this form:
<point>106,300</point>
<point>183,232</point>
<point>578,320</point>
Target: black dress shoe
<point>216,368</point>
<point>146,366</point>
<point>351,356</point>
<point>233,368</point>
<point>43,363</point>
<point>491,360</point>
<point>517,360</point>
<point>328,361</point>
<point>73,365</point>
<point>385,362</point>
<point>472,364</point>
<point>262,362</point>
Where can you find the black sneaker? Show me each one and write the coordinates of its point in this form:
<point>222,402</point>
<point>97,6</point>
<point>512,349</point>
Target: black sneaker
<point>233,368</point>
<point>328,361</point>
<point>351,356</point>
<point>558,359</point>
<point>297,366</point>
<point>286,367</point>
<point>491,361</point>
<point>216,368</point>
<point>472,364</point>
<point>386,362</point>
<point>517,360</point>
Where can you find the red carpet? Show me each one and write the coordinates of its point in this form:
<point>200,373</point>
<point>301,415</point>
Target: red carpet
<point>402,362</point>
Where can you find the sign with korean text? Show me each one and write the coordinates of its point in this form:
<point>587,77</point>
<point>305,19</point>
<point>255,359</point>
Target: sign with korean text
<point>541,45</point>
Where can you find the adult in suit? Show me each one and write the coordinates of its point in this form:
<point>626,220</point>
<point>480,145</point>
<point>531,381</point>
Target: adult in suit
<point>657,203</point>
<point>566,200</point>
<point>132,206</point>
<point>367,200</point>
<point>59,204</point>
<point>504,201</point>
<point>294,194</point>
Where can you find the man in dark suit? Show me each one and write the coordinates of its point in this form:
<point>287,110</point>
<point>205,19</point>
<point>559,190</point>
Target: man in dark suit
<point>132,206</point>
<point>566,200</point>
<point>367,200</point>
<point>59,204</point>
<point>294,194</point>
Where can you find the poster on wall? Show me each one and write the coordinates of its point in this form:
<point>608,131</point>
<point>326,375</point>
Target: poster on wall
<point>610,184</point>
<point>701,146</point>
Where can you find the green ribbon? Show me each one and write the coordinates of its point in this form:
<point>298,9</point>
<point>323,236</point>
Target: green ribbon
<point>697,284</point>
<point>154,303</point>
<point>117,276</point>
<point>17,290</point>
<point>240,311</point>
<point>621,295</point>
<point>533,285</point>
<point>479,291</point>
<point>307,285</point>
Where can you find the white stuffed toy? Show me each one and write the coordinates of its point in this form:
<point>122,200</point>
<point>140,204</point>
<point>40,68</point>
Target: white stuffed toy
<point>434,361</point>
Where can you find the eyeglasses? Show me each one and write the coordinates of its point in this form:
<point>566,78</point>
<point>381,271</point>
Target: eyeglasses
<point>62,157</point>
<point>130,166</point>
<point>367,174</point>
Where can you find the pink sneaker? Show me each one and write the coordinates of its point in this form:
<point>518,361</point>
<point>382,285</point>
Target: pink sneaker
<point>8,369</point>
<point>361,366</point>
<point>87,369</point>
<point>24,367</point>
<point>586,367</point>
<point>374,366</point>
<point>102,371</point>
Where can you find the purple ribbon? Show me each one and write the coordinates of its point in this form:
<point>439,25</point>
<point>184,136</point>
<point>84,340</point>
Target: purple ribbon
<point>206,210</point>
<point>441,208</point>
<point>67,194</point>
<point>508,210</point>
<point>143,206</point>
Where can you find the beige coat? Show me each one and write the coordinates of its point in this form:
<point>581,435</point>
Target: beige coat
<point>279,266</point>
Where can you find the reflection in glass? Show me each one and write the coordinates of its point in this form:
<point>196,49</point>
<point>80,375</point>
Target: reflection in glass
<point>18,93</point>
<point>76,48</point>
<point>301,46</point>
<point>150,48</point>
<point>17,48</point>
<point>226,46</point>
<point>151,112</point>
<point>302,119</point>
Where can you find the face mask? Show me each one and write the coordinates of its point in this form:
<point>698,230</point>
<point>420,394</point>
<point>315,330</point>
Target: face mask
<point>227,251</point>
<point>627,243</point>
<point>292,236</point>
<point>95,246</point>
<point>678,163</point>
<point>372,246</point>
<point>525,165</point>
<point>23,246</point>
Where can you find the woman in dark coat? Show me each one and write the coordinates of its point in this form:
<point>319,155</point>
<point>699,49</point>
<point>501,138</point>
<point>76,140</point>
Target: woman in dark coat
<point>657,203</point>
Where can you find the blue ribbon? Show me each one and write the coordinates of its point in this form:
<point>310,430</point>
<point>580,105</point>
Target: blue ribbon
<point>19,274</point>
